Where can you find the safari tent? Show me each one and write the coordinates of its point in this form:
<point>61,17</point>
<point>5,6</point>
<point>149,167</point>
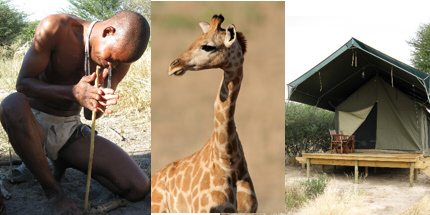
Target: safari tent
<point>380,100</point>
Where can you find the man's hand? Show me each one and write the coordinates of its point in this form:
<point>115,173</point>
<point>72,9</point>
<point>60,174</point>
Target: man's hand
<point>94,98</point>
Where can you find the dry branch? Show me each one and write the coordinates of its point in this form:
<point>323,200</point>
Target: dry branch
<point>104,208</point>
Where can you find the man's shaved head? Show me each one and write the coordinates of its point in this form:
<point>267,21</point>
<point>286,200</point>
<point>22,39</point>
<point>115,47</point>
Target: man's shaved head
<point>133,32</point>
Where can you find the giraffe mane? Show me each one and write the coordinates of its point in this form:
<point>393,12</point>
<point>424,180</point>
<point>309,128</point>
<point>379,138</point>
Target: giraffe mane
<point>242,41</point>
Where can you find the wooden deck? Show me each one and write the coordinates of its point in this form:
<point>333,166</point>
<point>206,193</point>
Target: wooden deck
<point>413,161</point>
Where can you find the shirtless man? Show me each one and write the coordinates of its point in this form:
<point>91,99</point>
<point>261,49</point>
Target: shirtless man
<point>42,118</point>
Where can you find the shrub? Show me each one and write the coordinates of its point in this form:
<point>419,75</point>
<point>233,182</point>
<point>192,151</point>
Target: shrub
<point>300,192</point>
<point>304,133</point>
<point>315,186</point>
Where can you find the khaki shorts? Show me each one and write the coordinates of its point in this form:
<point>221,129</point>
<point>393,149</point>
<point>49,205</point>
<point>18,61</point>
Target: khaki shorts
<point>57,131</point>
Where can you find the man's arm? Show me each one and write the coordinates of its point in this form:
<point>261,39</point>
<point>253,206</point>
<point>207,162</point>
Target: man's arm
<point>35,62</point>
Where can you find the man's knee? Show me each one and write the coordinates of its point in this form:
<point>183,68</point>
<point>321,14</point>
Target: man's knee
<point>13,104</point>
<point>138,191</point>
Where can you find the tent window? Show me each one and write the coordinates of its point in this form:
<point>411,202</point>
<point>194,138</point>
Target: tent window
<point>365,135</point>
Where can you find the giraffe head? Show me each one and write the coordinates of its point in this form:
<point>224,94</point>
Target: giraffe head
<point>215,48</point>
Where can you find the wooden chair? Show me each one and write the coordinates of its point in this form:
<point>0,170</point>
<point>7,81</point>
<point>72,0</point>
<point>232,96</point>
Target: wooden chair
<point>349,144</point>
<point>336,141</point>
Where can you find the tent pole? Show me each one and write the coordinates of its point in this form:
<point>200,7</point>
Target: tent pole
<point>425,87</point>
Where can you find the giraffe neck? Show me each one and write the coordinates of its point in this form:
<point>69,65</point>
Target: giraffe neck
<point>227,148</point>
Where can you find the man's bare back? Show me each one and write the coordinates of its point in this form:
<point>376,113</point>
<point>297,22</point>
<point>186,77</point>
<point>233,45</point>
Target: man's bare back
<point>52,81</point>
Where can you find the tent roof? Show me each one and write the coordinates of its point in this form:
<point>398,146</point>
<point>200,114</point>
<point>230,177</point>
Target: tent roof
<point>337,77</point>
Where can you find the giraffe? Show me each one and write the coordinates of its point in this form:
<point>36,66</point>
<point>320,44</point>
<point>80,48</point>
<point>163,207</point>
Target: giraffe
<point>215,178</point>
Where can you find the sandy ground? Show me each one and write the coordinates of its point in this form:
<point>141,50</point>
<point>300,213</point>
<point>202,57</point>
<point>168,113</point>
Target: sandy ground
<point>182,107</point>
<point>385,192</point>
<point>28,197</point>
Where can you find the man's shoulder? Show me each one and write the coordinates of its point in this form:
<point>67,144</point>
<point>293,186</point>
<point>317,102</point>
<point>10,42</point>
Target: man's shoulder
<point>56,24</point>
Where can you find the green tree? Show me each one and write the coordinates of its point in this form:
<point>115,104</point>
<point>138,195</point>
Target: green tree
<point>27,33</point>
<point>139,6</point>
<point>11,23</point>
<point>93,9</point>
<point>421,48</point>
<point>104,9</point>
<point>301,126</point>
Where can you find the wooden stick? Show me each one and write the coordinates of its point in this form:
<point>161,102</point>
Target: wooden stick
<point>93,130</point>
<point>112,205</point>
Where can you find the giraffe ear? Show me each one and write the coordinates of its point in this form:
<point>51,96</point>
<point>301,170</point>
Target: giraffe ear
<point>204,26</point>
<point>230,36</point>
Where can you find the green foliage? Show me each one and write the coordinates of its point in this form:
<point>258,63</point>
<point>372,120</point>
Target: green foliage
<point>27,33</point>
<point>421,46</point>
<point>299,126</point>
<point>315,186</point>
<point>104,9</point>
<point>300,192</point>
<point>139,6</point>
<point>93,9</point>
<point>11,23</point>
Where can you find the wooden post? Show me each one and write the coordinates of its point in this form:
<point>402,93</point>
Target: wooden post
<point>415,174</point>
<point>322,168</point>
<point>411,175</point>
<point>366,171</point>
<point>308,164</point>
<point>356,172</point>
<point>303,165</point>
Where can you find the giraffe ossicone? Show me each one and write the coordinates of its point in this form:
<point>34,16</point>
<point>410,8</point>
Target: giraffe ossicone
<point>215,178</point>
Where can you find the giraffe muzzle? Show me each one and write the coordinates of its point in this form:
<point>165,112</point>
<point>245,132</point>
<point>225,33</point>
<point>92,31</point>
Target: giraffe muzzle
<point>176,71</point>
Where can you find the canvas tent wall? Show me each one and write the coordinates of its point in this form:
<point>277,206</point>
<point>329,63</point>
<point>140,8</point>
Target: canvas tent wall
<point>356,68</point>
<point>401,123</point>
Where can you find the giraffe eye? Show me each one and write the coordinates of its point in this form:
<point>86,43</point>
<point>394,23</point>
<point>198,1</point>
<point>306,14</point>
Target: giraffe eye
<point>208,48</point>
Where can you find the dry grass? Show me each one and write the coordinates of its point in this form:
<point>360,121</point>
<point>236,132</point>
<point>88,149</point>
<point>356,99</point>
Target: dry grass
<point>336,201</point>
<point>421,208</point>
<point>9,69</point>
